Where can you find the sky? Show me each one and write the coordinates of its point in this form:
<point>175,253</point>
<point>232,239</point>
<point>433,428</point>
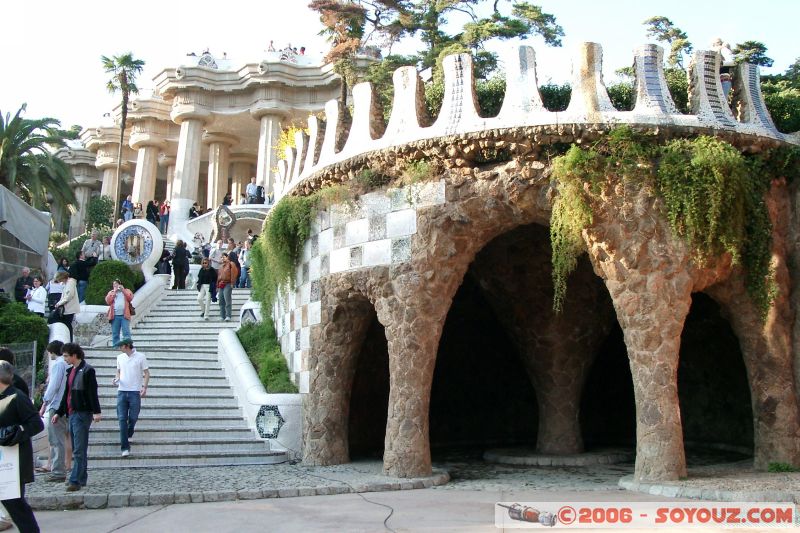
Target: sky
<point>50,49</point>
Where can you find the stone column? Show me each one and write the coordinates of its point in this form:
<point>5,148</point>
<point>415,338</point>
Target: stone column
<point>144,181</point>
<point>241,172</point>
<point>187,174</point>
<point>77,222</point>
<point>219,145</point>
<point>168,161</point>
<point>268,134</point>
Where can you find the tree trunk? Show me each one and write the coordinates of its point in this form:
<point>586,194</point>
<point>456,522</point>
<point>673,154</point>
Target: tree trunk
<point>118,177</point>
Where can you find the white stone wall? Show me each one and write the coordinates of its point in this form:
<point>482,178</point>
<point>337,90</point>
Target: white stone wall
<point>376,230</point>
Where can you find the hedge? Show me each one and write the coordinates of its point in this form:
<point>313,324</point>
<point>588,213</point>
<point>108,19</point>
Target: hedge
<point>102,277</point>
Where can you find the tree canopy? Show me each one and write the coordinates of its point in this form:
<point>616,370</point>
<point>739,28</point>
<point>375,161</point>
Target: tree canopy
<point>27,163</point>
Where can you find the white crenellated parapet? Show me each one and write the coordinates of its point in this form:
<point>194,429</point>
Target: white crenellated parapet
<point>301,146</point>
<point>328,143</point>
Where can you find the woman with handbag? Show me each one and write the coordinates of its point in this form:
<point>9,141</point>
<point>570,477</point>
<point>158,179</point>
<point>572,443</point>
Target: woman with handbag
<point>36,298</point>
<point>68,305</point>
<point>119,311</point>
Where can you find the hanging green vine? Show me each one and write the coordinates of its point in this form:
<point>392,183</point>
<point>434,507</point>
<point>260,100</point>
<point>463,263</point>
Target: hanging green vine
<point>713,199</point>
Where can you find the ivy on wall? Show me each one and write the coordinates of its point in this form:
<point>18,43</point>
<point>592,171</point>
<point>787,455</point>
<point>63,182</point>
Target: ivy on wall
<point>713,198</point>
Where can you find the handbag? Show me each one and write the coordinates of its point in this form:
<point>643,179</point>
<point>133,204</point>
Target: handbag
<point>132,308</point>
<point>56,315</point>
<point>221,284</point>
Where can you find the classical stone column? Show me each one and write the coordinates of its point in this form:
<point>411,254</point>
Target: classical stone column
<point>169,162</point>
<point>219,145</point>
<point>268,133</point>
<point>187,174</point>
<point>241,172</point>
<point>77,222</point>
<point>144,181</point>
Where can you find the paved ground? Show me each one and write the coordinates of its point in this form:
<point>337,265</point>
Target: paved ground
<point>278,498</point>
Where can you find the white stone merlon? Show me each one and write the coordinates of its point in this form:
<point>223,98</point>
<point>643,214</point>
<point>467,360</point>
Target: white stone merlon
<point>750,102</point>
<point>653,98</point>
<point>707,97</point>
<point>367,122</point>
<point>522,90</point>
<point>459,106</point>
<point>409,113</point>
<point>589,99</point>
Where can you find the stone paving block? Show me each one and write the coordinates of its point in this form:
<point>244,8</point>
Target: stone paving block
<point>118,499</point>
<point>69,501</point>
<point>219,495</point>
<point>287,493</point>
<point>196,497</point>
<point>339,489</point>
<point>95,501</point>
<point>269,493</point>
<point>670,491</point>
<point>162,498</point>
<point>249,494</point>
<point>691,492</point>
<point>417,484</point>
<point>381,487</point>
<point>306,491</point>
<point>139,499</point>
<point>43,502</point>
<point>183,497</point>
<point>321,491</point>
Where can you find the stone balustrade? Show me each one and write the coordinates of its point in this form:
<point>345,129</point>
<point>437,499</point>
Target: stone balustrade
<point>331,142</point>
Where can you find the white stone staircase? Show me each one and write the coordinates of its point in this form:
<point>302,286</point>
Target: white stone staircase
<point>190,416</point>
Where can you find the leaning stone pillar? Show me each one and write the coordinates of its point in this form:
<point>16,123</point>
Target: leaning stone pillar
<point>333,360</point>
<point>144,182</point>
<point>168,161</point>
<point>767,348</point>
<point>77,222</point>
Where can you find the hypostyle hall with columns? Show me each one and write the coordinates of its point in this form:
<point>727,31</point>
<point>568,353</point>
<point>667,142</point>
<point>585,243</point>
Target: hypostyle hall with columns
<point>207,128</point>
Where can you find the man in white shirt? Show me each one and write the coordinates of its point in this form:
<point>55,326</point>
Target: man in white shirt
<point>252,191</point>
<point>131,379</point>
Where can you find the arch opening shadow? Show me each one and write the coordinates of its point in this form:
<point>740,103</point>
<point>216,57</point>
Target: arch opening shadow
<point>713,387</point>
<point>369,399</point>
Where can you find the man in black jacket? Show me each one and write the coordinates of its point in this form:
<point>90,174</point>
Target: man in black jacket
<point>81,404</point>
<point>22,285</point>
<point>79,271</point>
<point>19,421</point>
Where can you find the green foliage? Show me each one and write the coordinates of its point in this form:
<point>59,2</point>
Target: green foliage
<point>102,277</point>
<point>713,199</point>
<point>622,95</point>
<point>662,29</point>
<point>28,166</point>
<point>18,325</point>
<point>678,84</point>
<point>261,344</point>
<point>99,211</point>
<point>783,103</point>
<point>754,52</point>
<point>776,468</point>
<point>555,97</point>
<point>57,237</point>
<point>368,179</point>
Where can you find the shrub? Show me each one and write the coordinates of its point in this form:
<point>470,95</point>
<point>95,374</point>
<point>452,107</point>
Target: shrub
<point>99,211</point>
<point>18,325</point>
<point>781,467</point>
<point>103,275</point>
<point>261,344</point>
<point>57,237</point>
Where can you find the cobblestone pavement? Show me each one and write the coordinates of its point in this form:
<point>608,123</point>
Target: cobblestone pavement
<point>135,487</point>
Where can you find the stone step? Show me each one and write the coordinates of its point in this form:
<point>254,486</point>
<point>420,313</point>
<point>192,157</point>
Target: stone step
<point>166,373</point>
<point>157,400</point>
<point>154,357</point>
<point>205,345</point>
<point>219,458</point>
<point>149,420</point>
<point>145,434</point>
<point>182,409</point>
<point>160,364</point>
<point>199,325</point>
<point>204,445</point>
<point>179,386</point>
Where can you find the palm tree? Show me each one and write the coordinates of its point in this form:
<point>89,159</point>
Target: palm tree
<point>27,163</point>
<point>124,70</point>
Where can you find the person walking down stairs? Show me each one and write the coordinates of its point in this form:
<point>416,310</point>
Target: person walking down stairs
<point>131,378</point>
<point>228,275</point>
<point>206,279</point>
